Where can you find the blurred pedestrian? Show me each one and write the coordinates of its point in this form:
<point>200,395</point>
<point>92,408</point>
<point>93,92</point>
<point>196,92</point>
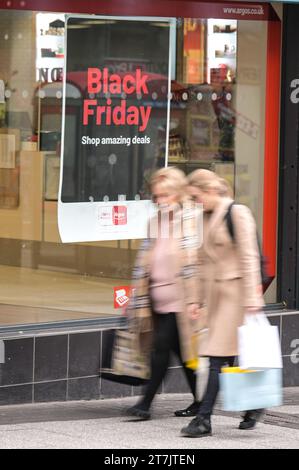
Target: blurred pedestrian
<point>225,189</point>
<point>231,277</point>
<point>166,289</point>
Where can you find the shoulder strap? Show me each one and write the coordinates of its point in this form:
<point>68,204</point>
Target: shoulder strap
<point>229,221</point>
<point>266,279</point>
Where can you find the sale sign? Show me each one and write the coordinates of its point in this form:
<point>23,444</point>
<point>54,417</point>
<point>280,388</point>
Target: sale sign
<point>116,107</point>
<point>98,80</point>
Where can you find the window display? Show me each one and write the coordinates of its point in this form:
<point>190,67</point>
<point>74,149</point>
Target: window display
<point>216,120</point>
<point>222,50</point>
<point>50,47</point>
<point>52,170</point>
<point>9,168</point>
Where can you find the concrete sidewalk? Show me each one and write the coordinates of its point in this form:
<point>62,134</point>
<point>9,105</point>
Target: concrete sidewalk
<point>102,424</point>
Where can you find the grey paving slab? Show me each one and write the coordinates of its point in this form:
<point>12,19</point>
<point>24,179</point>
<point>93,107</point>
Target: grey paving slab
<point>102,424</point>
<point>156,434</point>
<point>108,408</point>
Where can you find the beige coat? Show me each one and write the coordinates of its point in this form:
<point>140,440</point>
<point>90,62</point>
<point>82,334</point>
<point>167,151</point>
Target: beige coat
<point>230,276</point>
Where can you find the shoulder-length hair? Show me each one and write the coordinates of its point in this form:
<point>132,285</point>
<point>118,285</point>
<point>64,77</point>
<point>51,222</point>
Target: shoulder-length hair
<point>172,180</point>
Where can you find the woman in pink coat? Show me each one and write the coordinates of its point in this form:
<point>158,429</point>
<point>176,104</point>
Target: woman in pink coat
<point>230,274</point>
<point>166,288</point>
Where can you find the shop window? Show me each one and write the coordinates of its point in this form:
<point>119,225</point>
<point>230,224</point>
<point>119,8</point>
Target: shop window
<point>217,121</point>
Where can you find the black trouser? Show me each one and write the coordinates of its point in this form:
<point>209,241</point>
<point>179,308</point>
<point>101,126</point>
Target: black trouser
<point>209,398</point>
<point>166,339</point>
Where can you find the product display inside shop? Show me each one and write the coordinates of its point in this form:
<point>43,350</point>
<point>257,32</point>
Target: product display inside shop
<point>9,167</point>
<point>205,110</point>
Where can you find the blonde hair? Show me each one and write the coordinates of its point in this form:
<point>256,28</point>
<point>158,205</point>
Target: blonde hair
<point>205,180</point>
<point>172,179</point>
<point>226,189</point>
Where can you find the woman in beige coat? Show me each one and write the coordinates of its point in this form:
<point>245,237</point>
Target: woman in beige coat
<point>230,271</point>
<point>166,288</point>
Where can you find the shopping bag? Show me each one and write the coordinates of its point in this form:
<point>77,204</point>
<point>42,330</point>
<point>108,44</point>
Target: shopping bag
<point>202,376</point>
<point>203,363</point>
<point>250,390</point>
<point>259,344</point>
<point>122,361</point>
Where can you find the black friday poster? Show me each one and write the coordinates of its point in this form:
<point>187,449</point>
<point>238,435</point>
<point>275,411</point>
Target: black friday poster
<point>116,105</point>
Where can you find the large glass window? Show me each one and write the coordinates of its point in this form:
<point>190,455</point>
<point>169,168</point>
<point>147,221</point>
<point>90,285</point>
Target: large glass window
<point>217,121</point>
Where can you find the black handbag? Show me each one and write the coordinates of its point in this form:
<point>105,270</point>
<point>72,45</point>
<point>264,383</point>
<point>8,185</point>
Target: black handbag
<point>121,361</point>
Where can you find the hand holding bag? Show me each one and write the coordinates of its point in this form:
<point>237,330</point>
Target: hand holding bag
<point>259,344</point>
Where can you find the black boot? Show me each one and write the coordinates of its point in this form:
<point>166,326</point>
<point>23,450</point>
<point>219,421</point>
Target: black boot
<point>198,427</point>
<point>250,419</point>
<point>140,411</point>
<point>192,410</point>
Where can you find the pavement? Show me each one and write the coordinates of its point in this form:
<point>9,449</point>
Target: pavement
<point>102,424</point>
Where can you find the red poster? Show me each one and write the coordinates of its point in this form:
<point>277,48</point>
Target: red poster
<point>119,215</point>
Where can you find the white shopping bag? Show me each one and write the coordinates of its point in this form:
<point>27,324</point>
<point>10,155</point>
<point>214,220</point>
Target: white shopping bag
<point>259,344</point>
<point>202,373</point>
<point>202,376</point>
